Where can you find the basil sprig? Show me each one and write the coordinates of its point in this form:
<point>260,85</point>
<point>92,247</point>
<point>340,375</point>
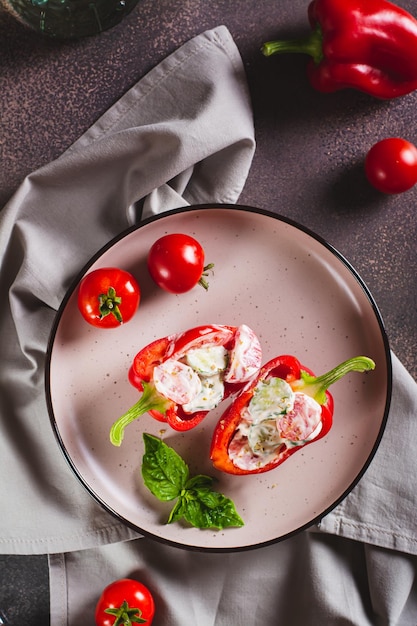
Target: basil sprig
<point>166,475</point>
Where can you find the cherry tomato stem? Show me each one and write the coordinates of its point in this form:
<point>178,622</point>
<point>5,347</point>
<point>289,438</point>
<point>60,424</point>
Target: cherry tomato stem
<point>109,304</point>
<point>203,282</point>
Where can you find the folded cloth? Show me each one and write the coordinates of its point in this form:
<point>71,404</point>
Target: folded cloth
<point>183,134</point>
<point>310,579</point>
<point>382,509</point>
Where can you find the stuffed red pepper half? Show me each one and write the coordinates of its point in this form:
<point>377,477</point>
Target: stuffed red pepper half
<point>182,377</point>
<point>283,409</point>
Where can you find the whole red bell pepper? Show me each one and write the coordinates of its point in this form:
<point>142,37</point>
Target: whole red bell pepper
<point>368,45</point>
<point>174,348</point>
<point>231,450</point>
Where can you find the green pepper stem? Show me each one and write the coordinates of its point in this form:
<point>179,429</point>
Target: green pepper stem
<point>311,45</point>
<point>316,386</point>
<point>150,400</point>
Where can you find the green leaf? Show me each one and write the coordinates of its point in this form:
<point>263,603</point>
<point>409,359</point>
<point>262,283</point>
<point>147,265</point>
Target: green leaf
<point>209,509</point>
<point>165,474</point>
<point>177,512</point>
<point>163,470</point>
<point>199,482</point>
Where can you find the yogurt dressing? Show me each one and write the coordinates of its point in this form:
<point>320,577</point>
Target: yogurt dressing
<point>276,419</point>
<point>196,379</point>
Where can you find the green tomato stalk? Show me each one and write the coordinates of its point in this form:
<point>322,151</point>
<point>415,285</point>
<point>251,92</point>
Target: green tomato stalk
<point>109,304</point>
<point>126,616</point>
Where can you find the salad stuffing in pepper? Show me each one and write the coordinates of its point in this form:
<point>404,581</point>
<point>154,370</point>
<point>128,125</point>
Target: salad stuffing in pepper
<point>283,409</point>
<point>182,377</point>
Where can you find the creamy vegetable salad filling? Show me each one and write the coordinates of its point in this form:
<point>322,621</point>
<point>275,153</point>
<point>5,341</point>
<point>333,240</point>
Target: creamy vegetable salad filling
<point>277,418</point>
<point>196,379</point>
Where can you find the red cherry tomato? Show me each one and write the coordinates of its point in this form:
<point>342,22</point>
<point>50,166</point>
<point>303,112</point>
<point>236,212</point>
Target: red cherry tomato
<point>107,297</point>
<point>125,599</point>
<point>391,165</point>
<point>176,263</point>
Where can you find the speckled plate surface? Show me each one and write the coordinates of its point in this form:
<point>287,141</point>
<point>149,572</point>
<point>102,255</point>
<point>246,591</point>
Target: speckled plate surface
<point>300,296</point>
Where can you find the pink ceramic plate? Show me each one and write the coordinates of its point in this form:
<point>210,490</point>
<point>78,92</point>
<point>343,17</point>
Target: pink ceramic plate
<point>300,296</point>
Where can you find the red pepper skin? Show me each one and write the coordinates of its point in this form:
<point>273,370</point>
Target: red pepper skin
<point>289,369</point>
<point>367,45</point>
<point>162,349</point>
<point>370,45</point>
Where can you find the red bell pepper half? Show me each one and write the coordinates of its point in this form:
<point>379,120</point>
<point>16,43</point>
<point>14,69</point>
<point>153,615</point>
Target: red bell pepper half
<point>368,45</point>
<point>283,409</point>
<point>161,372</point>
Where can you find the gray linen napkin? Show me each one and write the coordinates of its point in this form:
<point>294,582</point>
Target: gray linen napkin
<point>382,509</point>
<point>312,579</point>
<point>183,134</point>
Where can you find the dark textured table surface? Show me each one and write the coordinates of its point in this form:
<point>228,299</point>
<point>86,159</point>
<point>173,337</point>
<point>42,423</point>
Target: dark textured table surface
<point>308,164</point>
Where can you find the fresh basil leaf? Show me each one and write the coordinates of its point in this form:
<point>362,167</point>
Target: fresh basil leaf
<point>210,509</point>
<point>163,470</point>
<point>199,482</point>
<point>166,475</point>
<point>177,512</point>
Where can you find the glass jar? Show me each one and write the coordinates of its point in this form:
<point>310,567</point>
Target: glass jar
<point>70,19</point>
